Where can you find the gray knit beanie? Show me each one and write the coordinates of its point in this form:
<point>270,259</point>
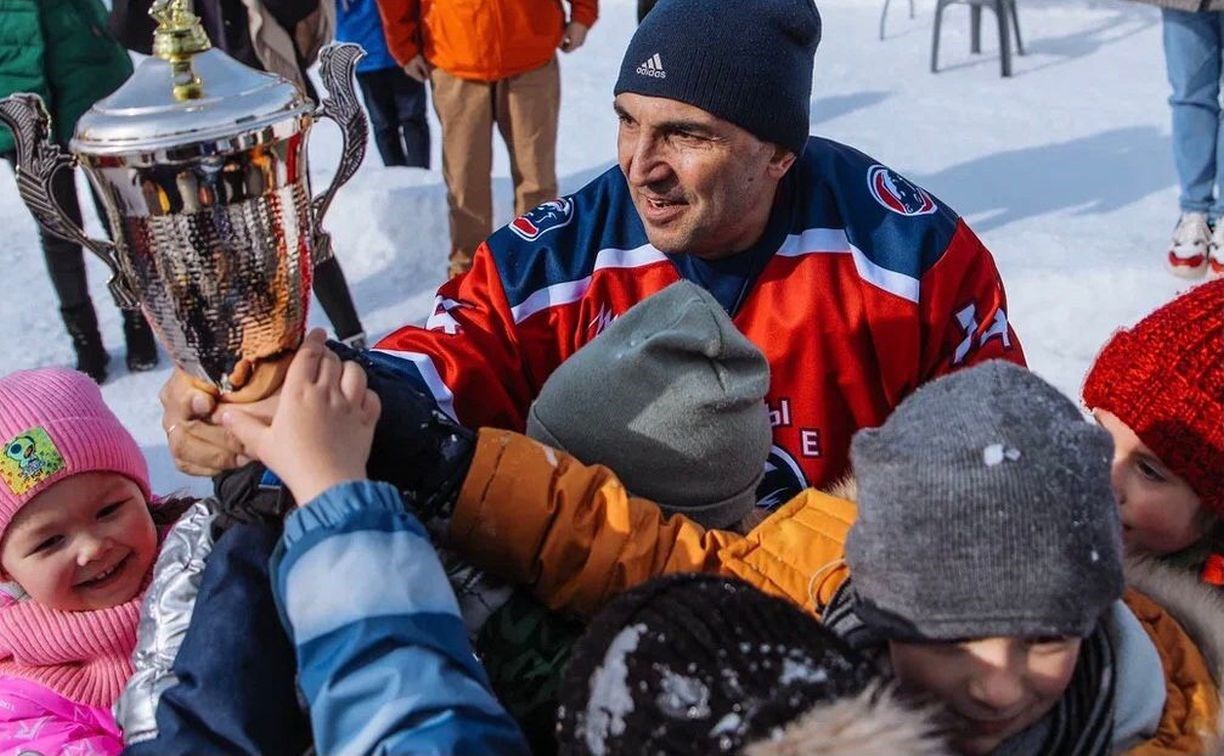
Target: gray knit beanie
<point>671,398</point>
<point>985,510</point>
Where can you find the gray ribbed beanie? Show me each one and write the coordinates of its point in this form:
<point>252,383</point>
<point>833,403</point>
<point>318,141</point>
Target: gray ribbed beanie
<point>671,398</point>
<point>985,509</point>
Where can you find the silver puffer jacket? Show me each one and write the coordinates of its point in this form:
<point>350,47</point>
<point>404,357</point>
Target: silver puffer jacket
<point>164,618</point>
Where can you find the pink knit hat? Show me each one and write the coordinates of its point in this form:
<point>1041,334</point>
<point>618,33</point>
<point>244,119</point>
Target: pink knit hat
<point>54,424</point>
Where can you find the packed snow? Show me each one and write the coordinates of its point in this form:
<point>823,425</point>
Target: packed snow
<point>1065,170</point>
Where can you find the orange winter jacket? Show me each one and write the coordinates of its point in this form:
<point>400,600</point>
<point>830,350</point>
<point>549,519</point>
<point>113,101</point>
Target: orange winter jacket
<point>483,40</point>
<point>576,538</point>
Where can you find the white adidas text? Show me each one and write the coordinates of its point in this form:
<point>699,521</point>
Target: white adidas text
<point>652,66</point>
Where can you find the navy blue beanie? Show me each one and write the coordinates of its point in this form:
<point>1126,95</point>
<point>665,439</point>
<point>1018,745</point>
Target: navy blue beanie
<point>745,61</point>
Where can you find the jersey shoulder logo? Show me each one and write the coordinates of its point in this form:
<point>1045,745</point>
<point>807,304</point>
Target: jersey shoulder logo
<point>898,193</point>
<point>546,217</point>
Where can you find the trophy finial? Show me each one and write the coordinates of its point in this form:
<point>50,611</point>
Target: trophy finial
<point>179,35</point>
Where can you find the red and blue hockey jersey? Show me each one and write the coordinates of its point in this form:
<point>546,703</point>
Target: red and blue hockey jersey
<point>867,287</point>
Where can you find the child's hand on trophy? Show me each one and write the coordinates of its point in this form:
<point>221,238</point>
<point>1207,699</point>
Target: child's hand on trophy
<point>321,433</point>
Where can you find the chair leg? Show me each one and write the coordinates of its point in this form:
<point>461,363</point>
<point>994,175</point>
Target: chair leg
<point>939,9</point>
<point>1004,37</point>
<point>975,28</point>
<point>911,4</point>
<point>1016,26</point>
<point>884,15</point>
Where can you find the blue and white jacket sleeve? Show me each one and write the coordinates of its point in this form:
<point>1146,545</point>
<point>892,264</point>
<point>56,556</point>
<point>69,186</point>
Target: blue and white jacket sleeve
<point>383,658</point>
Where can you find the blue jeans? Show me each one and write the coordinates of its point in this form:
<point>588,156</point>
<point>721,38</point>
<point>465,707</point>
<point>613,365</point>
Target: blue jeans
<point>396,104</point>
<point>1192,43</point>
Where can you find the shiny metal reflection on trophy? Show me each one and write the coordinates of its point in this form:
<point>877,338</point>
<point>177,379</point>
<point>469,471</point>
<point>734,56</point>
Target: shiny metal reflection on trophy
<point>202,166</point>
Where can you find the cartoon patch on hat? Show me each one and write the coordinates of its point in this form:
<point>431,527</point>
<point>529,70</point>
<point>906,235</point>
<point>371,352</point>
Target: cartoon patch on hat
<point>29,458</point>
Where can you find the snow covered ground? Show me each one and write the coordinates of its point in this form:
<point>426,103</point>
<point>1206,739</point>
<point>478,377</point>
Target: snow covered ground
<point>1065,170</point>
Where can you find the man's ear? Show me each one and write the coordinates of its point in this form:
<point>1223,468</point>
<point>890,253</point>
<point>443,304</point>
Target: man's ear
<point>780,162</point>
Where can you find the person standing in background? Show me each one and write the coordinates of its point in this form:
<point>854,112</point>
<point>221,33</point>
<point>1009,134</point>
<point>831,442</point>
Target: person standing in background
<point>489,65</point>
<point>394,100</point>
<point>59,50</point>
<point>279,36</point>
<point>1193,45</point>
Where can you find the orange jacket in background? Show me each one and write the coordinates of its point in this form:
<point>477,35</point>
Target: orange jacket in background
<point>483,40</point>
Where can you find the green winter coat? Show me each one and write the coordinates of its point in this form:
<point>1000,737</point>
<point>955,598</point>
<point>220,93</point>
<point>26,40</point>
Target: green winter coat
<point>58,49</point>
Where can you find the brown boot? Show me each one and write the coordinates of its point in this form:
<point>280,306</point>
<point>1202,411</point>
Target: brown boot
<point>460,262</point>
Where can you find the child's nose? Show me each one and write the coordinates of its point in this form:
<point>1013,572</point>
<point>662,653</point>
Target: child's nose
<point>91,549</point>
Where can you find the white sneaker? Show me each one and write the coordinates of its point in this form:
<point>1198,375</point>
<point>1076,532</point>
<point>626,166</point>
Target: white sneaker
<point>1215,255</point>
<point>1192,241</point>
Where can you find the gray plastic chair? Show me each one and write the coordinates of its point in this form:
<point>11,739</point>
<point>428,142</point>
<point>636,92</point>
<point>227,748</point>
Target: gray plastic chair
<point>884,15</point>
<point>1005,13</point>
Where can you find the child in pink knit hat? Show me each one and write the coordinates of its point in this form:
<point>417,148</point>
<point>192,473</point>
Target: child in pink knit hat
<point>77,545</point>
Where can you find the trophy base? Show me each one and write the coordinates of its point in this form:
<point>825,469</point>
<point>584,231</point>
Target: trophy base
<point>251,381</point>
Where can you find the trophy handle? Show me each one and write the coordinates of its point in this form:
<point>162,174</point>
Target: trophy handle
<point>337,62</point>
<point>38,160</point>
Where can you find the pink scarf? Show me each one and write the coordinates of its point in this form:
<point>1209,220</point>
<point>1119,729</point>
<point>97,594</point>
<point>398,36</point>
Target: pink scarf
<point>84,656</point>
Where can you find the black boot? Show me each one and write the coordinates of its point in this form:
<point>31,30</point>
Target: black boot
<point>141,346</point>
<point>82,325</point>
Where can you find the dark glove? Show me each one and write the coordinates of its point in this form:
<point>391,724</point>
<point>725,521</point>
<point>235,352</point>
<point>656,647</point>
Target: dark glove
<point>417,448</point>
<point>250,494</point>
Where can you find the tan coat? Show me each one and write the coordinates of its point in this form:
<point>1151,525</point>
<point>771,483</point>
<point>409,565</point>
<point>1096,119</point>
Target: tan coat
<point>277,47</point>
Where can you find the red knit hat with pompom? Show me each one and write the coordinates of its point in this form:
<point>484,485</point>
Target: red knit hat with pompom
<point>1165,379</point>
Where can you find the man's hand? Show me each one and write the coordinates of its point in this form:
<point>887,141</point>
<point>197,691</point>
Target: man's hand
<point>197,446</point>
<point>323,426</point>
<point>417,68</point>
<point>198,443</point>
<point>574,36</point>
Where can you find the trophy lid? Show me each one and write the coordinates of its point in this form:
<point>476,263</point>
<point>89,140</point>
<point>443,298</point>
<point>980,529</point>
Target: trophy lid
<point>185,93</point>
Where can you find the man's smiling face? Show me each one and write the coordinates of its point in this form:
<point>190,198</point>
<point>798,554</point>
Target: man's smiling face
<point>701,185</point>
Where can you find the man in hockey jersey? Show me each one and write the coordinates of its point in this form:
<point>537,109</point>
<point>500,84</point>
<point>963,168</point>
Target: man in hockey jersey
<point>857,284</point>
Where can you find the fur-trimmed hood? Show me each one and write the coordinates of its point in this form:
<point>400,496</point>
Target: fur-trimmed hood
<point>875,721</point>
<point>1198,609</point>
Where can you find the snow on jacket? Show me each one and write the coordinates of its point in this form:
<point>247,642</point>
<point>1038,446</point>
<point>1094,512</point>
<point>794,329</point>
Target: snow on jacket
<point>869,288</point>
<point>61,51</point>
<point>480,41</point>
<point>536,516</point>
<point>358,21</point>
<point>385,665</point>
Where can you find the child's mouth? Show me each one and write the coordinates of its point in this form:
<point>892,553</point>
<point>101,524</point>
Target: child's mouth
<point>107,576</point>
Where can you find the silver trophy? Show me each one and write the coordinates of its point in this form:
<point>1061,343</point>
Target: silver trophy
<point>201,164</point>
